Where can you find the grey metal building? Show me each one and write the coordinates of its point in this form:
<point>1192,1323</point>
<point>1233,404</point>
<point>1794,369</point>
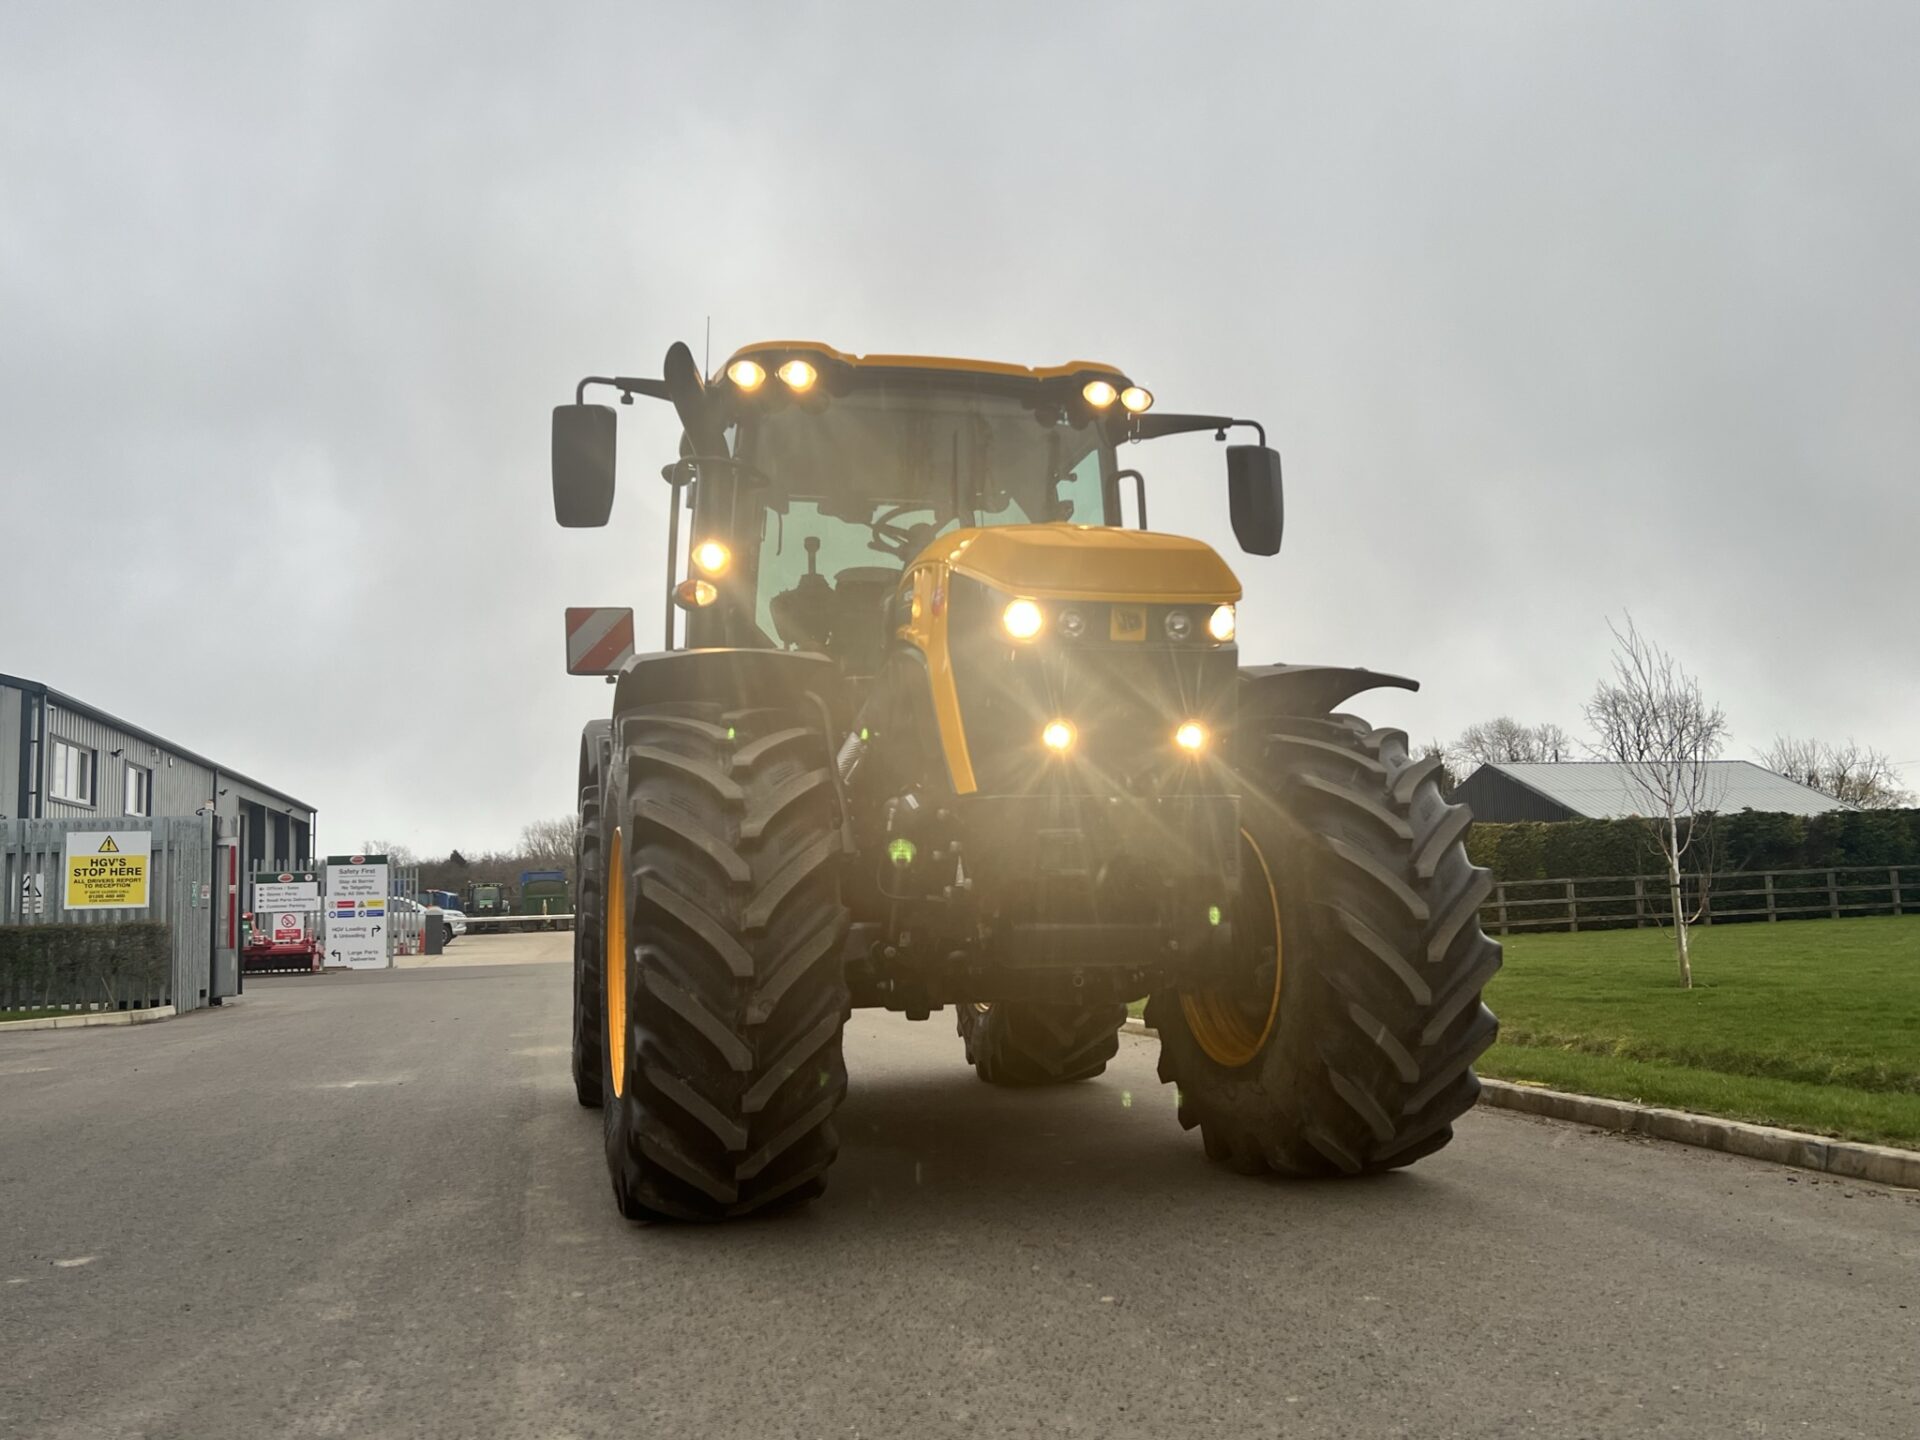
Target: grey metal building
<point>61,757</point>
<point>1602,790</point>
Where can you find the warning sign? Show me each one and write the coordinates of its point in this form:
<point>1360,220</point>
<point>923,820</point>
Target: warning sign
<point>357,911</point>
<point>107,869</point>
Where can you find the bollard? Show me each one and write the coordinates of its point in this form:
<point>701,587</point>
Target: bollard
<point>432,927</point>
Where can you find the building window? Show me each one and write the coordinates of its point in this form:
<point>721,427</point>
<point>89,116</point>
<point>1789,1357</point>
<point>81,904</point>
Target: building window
<point>139,790</point>
<point>71,773</point>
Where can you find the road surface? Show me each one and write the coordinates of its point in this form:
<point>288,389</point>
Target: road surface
<point>367,1205</point>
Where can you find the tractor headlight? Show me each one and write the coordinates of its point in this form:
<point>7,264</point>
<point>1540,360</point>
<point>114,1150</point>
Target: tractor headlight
<point>1073,624</point>
<point>1099,393</point>
<point>712,557</point>
<point>1022,619</point>
<point>1135,400</point>
<point>748,375</point>
<point>799,376</point>
<point>1191,737</point>
<point>1220,623</point>
<point>1057,736</point>
<point>1179,626</point>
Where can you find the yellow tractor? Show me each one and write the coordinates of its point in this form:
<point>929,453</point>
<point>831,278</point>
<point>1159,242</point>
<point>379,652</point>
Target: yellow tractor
<point>939,728</point>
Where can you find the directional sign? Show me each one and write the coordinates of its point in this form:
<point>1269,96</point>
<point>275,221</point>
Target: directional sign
<point>107,869</point>
<point>286,890</point>
<point>599,639</point>
<point>357,911</point>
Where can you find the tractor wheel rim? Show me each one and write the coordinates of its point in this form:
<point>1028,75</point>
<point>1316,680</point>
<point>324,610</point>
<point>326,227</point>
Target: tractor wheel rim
<point>613,964</point>
<point>1230,1027</point>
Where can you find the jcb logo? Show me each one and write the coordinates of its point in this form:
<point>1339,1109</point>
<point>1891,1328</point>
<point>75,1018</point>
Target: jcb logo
<point>1129,623</point>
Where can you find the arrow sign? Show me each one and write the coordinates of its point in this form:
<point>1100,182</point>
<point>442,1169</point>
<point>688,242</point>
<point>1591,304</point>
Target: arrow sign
<point>334,953</point>
<point>376,929</point>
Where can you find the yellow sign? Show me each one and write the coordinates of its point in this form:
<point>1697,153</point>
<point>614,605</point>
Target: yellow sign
<point>107,869</point>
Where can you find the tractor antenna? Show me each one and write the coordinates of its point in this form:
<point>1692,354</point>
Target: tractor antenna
<point>706,360</point>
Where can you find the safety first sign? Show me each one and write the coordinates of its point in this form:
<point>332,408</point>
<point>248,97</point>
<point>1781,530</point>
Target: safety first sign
<point>108,869</point>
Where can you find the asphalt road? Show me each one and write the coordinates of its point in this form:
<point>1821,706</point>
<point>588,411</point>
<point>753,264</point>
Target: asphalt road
<point>367,1205</point>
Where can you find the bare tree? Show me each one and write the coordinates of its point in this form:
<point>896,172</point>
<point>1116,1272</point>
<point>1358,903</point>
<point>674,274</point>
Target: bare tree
<point>549,844</point>
<point>1856,774</point>
<point>398,855</point>
<point>1448,777</point>
<point>1652,720</point>
<point>1504,740</point>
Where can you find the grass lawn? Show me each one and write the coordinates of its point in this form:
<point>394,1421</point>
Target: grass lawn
<point>1812,1024</point>
<point>6,1015</point>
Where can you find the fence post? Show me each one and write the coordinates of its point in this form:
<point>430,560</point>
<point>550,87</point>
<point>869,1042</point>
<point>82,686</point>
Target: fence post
<point>1833,897</point>
<point>1500,903</point>
<point>1893,881</point>
<point>1639,901</point>
<point>1573,910</point>
<point>1772,915</point>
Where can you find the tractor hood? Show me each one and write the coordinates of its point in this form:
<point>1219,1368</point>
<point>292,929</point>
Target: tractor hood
<point>1088,562</point>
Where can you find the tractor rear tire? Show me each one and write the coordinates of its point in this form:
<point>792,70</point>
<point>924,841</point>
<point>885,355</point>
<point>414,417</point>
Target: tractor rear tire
<point>589,930</point>
<point>1024,1043</point>
<point>1350,1046</point>
<point>725,927</point>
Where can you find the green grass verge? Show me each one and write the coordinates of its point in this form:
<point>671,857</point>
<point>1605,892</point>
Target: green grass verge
<point>6,1015</point>
<point>1810,1024</point>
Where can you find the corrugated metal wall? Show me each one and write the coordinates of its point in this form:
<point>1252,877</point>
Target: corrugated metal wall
<point>180,786</point>
<point>179,888</point>
<point>9,751</point>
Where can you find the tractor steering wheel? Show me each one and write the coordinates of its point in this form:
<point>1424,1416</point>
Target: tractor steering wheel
<point>900,542</point>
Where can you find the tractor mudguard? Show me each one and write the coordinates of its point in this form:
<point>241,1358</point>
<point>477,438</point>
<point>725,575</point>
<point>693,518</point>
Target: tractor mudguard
<point>1308,689</point>
<point>734,679</point>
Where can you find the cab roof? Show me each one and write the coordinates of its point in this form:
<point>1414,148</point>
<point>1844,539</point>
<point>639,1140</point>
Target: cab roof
<point>763,348</point>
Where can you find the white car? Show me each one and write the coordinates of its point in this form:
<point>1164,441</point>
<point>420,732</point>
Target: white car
<point>456,921</point>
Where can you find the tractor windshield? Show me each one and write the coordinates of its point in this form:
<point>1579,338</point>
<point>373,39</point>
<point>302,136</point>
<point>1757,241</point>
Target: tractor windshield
<point>857,486</point>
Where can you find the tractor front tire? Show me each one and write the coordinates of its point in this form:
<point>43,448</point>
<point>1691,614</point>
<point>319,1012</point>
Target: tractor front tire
<point>725,996</point>
<point>1349,1044</point>
<point>1029,1043</point>
<point>589,931</point>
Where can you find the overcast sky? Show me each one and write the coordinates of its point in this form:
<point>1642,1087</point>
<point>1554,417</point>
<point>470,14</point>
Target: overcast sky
<point>1553,309</point>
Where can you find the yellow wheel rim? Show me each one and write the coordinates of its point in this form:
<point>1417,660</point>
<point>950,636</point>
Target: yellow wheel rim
<point>613,964</point>
<point>1230,1026</point>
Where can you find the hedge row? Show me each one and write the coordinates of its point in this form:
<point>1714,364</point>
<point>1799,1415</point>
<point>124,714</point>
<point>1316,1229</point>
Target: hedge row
<point>1748,841</point>
<point>119,966</point>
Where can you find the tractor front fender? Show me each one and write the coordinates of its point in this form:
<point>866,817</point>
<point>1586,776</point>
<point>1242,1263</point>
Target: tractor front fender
<point>733,680</point>
<point>1308,689</point>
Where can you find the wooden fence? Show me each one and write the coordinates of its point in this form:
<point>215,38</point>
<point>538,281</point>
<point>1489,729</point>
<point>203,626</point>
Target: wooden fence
<point>1612,902</point>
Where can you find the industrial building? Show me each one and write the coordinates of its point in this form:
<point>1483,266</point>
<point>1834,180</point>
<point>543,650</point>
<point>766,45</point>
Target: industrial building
<point>1602,790</point>
<point>61,758</point>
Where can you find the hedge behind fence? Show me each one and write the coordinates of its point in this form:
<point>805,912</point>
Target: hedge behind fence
<point>1748,841</point>
<point>111,965</point>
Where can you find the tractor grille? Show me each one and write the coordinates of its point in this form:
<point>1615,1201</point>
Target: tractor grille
<point>1124,701</point>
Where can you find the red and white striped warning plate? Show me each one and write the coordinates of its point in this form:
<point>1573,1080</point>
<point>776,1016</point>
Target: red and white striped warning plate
<point>599,638</point>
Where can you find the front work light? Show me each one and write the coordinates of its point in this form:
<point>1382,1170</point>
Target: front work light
<point>1134,399</point>
<point>694,594</point>
<point>1057,736</point>
<point>1179,626</point>
<point>799,376</point>
<point>712,557</point>
<point>1022,619</point>
<point>1191,737</point>
<point>1220,623</point>
<point>1099,393</point>
<point>748,375</point>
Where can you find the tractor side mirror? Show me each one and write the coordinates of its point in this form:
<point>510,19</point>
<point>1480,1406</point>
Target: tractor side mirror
<point>1254,498</point>
<point>583,464</point>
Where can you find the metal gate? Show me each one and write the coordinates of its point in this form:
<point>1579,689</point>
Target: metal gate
<point>33,891</point>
